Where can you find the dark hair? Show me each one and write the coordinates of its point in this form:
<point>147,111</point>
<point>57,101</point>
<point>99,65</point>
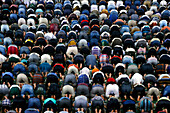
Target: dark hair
<point>98,94</point>
<point>30,24</point>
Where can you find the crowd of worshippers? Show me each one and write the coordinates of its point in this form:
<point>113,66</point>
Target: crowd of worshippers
<point>80,56</point>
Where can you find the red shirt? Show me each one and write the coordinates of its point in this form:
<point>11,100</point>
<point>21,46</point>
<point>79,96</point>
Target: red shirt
<point>73,65</point>
<point>12,50</point>
<point>117,57</point>
<point>57,64</point>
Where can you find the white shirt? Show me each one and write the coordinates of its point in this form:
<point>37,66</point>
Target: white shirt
<point>102,16</point>
<point>63,112</point>
<point>123,11</point>
<point>2,58</point>
<point>152,60</point>
<point>154,0</point>
<point>31,21</point>
<point>97,73</point>
<point>21,21</point>
<point>46,57</point>
<point>49,36</point>
<point>111,3</point>
<point>163,76</point>
<point>85,70</point>
<point>76,5</point>
<point>33,2</point>
<point>137,79</point>
<point>119,64</point>
<point>105,32</point>
<point>75,2</point>
<point>49,112</point>
<point>122,76</point>
<point>163,21</point>
<point>82,42</point>
<point>14,55</point>
<point>65,21</point>
<point>149,13</point>
<point>163,3</point>
<point>34,54</point>
<point>153,8</point>
<point>84,2</point>
<point>43,21</point>
<point>3,86</point>
<point>26,2</point>
<point>72,68</point>
<point>77,12</point>
<point>15,86</point>
<point>114,88</point>
<point>94,7</point>
<point>81,97</point>
<point>101,7</point>
<point>119,3</point>
<point>49,1</point>
<point>130,50</point>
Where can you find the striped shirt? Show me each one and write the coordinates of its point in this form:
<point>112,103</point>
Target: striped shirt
<point>104,58</point>
<point>6,102</point>
<point>97,98</point>
<point>96,50</point>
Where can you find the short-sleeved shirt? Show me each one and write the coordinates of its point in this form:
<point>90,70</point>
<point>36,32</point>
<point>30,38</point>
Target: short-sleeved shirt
<point>104,58</point>
<point>12,50</point>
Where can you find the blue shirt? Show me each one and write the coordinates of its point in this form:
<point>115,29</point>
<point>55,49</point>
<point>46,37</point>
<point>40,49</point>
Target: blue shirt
<point>53,74</point>
<point>63,98</point>
<point>7,73</point>
<point>45,67</point>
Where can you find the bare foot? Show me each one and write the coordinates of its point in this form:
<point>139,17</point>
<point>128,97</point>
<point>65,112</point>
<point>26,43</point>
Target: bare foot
<point>110,75</point>
<point>60,75</point>
<point>20,110</point>
<point>89,66</point>
<point>42,97</point>
<point>28,96</point>
<point>81,65</point>
<point>34,85</point>
<point>63,78</point>
<point>69,96</point>
<point>100,110</point>
<point>49,84</point>
<point>138,99</point>
<point>125,96</point>
<point>96,111</point>
<point>107,75</point>
<point>9,85</point>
